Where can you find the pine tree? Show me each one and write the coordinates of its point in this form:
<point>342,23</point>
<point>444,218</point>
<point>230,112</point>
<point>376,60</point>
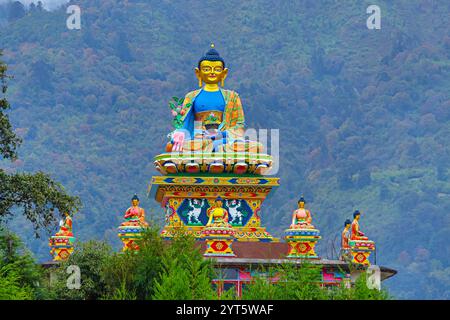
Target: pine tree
<point>185,275</point>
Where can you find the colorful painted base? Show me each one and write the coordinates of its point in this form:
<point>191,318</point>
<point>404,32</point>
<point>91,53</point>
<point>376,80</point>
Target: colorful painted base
<point>186,200</point>
<point>61,247</point>
<point>235,162</point>
<point>241,233</point>
<point>219,241</point>
<point>361,250</point>
<point>302,242</point>
<point>130,235</point>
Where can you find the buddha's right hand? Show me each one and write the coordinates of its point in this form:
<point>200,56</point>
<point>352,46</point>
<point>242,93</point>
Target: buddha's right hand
<point>178,140</point>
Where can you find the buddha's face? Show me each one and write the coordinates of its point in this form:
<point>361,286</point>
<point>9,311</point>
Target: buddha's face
<point>357,217</point>
<point>211,72</point>
<point>218,204</point>
<point>135,202</point>
<point>301,204</point>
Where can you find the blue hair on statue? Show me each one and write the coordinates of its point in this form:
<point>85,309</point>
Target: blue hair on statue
<point>211,55</point>
<point>301,200</point>
<point>347,222</point>
<point>356,213</point>
<point>135,197</point>
<point>219,199</point>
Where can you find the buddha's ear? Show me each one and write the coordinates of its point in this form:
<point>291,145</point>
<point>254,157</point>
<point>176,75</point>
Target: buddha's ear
<point>225,73</point>
<point>197,73</point>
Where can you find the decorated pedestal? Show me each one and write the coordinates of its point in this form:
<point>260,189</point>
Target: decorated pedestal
<point>237,159</point>
<point>302,242</point>
<point>129,233</point>
<point>131,230</point>
<point>361,250</point>
<point>186,199</point>
<point>219,241</point>
<point>61,247</point>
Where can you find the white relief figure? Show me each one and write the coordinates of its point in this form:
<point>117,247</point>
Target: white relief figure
<point>195,209</point>
<point>234,209</point>
<point>168,213</point>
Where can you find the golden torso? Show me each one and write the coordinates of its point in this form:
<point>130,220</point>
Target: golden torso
<point>217,216</point>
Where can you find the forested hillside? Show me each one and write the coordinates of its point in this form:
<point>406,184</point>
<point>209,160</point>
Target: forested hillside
<point>364,115</point>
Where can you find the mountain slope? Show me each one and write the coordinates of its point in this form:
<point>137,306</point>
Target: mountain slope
<point>363,114</point>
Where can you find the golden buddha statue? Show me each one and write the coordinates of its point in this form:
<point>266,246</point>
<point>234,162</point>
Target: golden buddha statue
<point>301,218</point>
<point>356,233</point>
<point>218,216</point>
<point>65,226</point>
<point>211,115</point>
<point>135,213</point>
<point>209,124</point>
<point>218,232</point>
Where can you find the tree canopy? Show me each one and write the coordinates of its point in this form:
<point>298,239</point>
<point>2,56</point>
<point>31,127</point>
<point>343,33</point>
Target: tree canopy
<point>36,194</point>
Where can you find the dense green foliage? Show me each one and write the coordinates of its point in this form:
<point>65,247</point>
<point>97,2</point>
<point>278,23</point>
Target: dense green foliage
<point>363,114</point>
<point>159,271</point>
<point>302,283</point>
<point>91,257</point>
<point>185,274</point>
<point>20,277</point>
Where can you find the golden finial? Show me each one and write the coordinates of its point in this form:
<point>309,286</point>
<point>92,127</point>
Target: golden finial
<point>212,45</point>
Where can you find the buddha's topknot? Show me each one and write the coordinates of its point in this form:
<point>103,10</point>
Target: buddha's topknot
<point>211,55</point>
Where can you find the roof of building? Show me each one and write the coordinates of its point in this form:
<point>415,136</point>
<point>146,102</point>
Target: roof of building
<point>256,253</point>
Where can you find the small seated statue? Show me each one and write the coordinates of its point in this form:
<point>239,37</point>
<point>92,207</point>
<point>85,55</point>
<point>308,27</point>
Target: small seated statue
<point>218,216</point>
<point>65,226</point>
<point>135,213</point>
<point>301,218</point>
<point>345,247</point>
<point>356,233</point>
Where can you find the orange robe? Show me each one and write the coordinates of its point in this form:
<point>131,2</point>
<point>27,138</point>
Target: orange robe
<point>356,234</point>
<point>344,239</point>
<point>137,212</point>
<point>66,228</point>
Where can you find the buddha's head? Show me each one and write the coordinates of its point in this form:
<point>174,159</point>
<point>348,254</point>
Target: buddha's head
<point>211,68</point>
<point>135,201</point>
<point>356,215</point>
<point>347,224</point>
<point>218,202</point>
<point>301,203</point>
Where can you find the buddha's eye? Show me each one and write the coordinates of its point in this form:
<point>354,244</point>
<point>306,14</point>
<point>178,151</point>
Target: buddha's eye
<point>206,69</point>
<point>218,69</point>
